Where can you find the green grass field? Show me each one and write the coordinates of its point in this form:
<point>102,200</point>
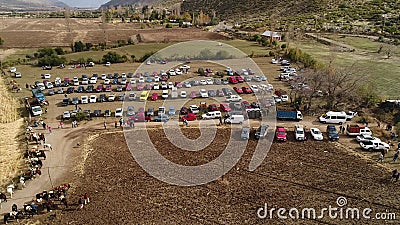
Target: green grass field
<point>383,72</point>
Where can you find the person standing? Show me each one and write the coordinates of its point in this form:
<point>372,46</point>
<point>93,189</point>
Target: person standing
<point>220,120</point>
<point>50,129</point>
<point>105,125</point>
<point>86,198</point>
<point>380,159</point>
<point>396,155</point>
<point>115,124</point>
<point>80,203</point>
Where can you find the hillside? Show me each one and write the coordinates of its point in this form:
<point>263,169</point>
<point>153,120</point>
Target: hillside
<point>114,3</point>
<point>26,5</point>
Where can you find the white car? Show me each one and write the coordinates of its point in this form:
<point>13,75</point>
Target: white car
<point>123,81</point>
<point>299,133</point>
<point>254,88</point>
<point>183,94</point>
<point>41,86</point>
<point>141,79</point>
<point>156,78</point>
<point>316,134</point>
<point>170,85</point>
<point>119,112</point>
<point>164,85</point>
<point>103,76</point>
<point>203,93</point>
<point>107,81</point>
<point>66,115</point>
<point>93,80</point>
<point>178,72</point>
<point>172,72</point>
<point>203,82</point>
<point>85,81</point>
<point>13,69</point>
<point>108,64</point>
<point>111,98</point>
<point>132,81</point>
<point>364,137</point>
<point>49,85</point>
<point>47,76</point>
<point>93,99</point>
<point>156,86</point>
<point>194,109</point>
<point>209,82</point>
<point>84,99</point>
<point>57,81</point>
<point>284,98</point>
<point>165,94</point>
<point>75,81</point>
<point>123,75</point>
<point>18,75</point>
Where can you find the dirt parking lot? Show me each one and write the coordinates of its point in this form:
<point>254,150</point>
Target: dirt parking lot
<point>310,174</point>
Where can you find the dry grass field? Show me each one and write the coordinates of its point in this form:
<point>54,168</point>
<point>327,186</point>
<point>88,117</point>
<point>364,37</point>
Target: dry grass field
<point>60,32</point>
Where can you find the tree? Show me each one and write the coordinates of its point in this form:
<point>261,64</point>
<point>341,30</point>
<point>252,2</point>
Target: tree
<point>59,51</point>
<point>114,57</point>
<point>78,46</point>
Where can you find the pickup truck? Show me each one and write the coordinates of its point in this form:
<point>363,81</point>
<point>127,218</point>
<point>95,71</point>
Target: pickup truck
<point>234,98</point>
<point>355,130</point>
<point>372,145</point>
<point>288,115</point>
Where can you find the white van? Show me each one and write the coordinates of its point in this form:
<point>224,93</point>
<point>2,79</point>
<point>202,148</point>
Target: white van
<point>235,119</point>
<point>333,117</point>
<point>211,115</point>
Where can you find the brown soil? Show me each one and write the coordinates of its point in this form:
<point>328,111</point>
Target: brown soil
<point>310,174</point>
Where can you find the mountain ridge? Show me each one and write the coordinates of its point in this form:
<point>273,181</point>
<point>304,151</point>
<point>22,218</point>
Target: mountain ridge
<point>31,4</point>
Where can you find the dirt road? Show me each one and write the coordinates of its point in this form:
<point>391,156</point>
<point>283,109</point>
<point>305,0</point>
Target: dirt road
<point>56,168</point>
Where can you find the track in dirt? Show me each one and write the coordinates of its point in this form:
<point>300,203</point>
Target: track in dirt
<point>311,174</point>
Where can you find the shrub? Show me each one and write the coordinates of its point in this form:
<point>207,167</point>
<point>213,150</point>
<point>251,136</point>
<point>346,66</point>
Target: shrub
<point>168,25</point>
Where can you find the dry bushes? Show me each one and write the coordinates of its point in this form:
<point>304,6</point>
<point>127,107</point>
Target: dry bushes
<point>8,106</point>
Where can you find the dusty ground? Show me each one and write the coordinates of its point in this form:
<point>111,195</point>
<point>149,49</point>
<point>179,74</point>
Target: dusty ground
<point>310,174</point>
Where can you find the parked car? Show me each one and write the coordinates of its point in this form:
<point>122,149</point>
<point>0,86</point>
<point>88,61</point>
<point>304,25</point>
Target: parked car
<point>102,98</point>
<point>224,107</point>
<point>365,137</point>
<point>111,98</point>
<point>80,89</point>
<point>238,90</point>
<point>281,134</point>
<point>130,111</point>
<point>189,117</point>
<point>108,88</point>
<point>316,134</point>
<point>66,115</point>
<point>332,133</point>
<point>299,133</point>
<point>70,90</point>
<point>194,109</point>
<point>119,112</point>
<point>90,88</point>
<point>154,96</point>
<point>107,113</point>
<point>247,90</point>
<point>183,94</point>
<point>245,133</point>
<point>84,99</point>
<point>211,93</point>
<point>193,94</point>
<point>262,132</point>
<point>93,99</point>
<point>203,93</point>
<point>212,107</point>
<point>97,113</point>
<point>373,145</point>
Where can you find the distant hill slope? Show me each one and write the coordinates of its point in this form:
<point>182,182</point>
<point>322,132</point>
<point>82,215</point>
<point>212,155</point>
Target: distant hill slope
<point>114,3</point>
<point>252,8</point>
<point>30,4</point>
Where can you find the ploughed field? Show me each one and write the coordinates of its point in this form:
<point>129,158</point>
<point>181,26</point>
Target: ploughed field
<point>295,174</point>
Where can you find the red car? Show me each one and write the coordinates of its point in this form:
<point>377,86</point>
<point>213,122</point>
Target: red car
<point>280,134</point>
<point>239,79</point>
<point>246,104</point>
<point>189,117</point>
<point>108,88</point>
<point>140,117</point>
<point>247,90</point>
<point>233,80</point>
<point>212,107</point>
<point>139,87</point>
<point>154,96</point>
<point>238,90</point>
<point>225,107</point>
<point>99,88</point>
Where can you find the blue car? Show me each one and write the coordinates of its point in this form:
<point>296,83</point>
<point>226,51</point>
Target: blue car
<point>115,81</point>
<point>149,80</point>
<point>263,78</point>
<point>80,89</point>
